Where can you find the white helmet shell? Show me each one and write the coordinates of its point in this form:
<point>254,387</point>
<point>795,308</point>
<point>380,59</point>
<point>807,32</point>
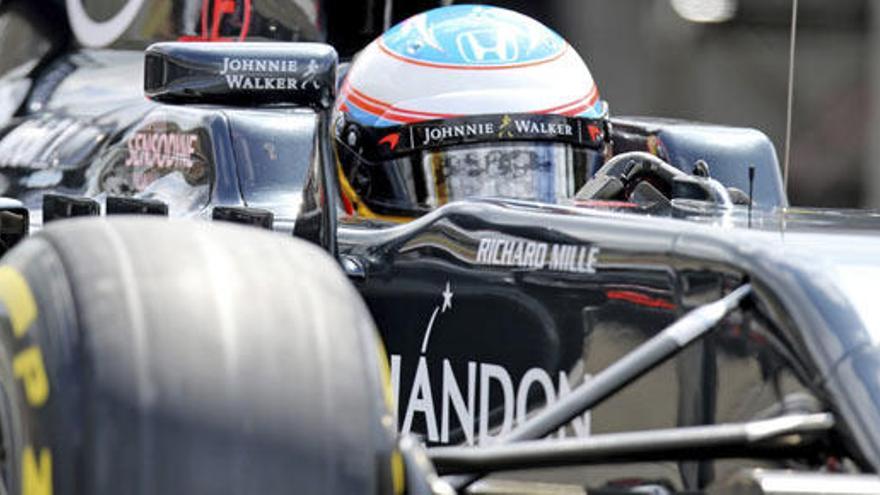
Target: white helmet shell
<point>467,60</point>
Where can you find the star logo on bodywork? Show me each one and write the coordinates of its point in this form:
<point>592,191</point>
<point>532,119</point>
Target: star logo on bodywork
<point>447,298</point>
<point>439,309</point>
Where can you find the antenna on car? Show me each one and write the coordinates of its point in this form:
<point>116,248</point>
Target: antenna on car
<point>751,190</point>
<point>387,15</point>
<point>794,9</point>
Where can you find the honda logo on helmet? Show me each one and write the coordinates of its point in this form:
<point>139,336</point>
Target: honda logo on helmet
<point>488,46</point>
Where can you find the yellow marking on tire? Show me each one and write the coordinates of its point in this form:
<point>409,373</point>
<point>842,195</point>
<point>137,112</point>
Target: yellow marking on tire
<point>36,476</point>
<point>385,375</point>
<point>18,299</point>
<point>28,366</point>
<point>398,478</point>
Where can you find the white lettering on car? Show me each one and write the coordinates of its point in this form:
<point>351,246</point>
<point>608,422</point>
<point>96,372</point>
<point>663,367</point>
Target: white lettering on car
<point>570,258</point>
<point>161,149</point>
<point>271,74</point>
<point>467,403</point>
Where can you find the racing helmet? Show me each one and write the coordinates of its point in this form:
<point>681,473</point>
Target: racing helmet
<point>465,101</point>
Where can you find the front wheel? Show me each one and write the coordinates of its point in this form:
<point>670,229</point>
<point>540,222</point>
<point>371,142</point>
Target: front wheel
<point>142,356</point>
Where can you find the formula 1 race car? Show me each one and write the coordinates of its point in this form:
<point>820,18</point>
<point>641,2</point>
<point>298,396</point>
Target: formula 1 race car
<point>672,327</point>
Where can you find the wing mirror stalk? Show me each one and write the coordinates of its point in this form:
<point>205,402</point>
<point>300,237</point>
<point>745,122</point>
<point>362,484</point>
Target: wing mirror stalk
<point>329,185</point>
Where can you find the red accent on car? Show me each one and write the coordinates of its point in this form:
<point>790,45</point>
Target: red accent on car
<point>219,9</point>
<point>640,299</point>
<point>602,203</point>
<point>346,205</point>
<point>595,132</point>
<point>391,140</point>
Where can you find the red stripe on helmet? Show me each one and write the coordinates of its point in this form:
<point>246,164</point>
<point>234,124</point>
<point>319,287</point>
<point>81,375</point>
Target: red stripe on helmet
<point>577,106</point>
<point>380,112</point>
<point>391,108</point>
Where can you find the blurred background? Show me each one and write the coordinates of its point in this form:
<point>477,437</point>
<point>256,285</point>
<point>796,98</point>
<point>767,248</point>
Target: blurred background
<point>718,61</point>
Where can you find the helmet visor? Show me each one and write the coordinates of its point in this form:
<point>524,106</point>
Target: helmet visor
<point>540,171</point>
<point>411,169</point>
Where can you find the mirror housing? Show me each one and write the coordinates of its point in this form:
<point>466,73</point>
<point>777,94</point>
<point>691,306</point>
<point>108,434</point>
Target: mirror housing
<point>247,74</point>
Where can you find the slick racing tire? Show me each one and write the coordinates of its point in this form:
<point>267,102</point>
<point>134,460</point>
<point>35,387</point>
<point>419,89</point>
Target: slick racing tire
<point>142,356</point>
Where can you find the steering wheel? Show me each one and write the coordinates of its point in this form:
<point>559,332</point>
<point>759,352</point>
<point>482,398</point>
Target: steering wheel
<point>630,174</point>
